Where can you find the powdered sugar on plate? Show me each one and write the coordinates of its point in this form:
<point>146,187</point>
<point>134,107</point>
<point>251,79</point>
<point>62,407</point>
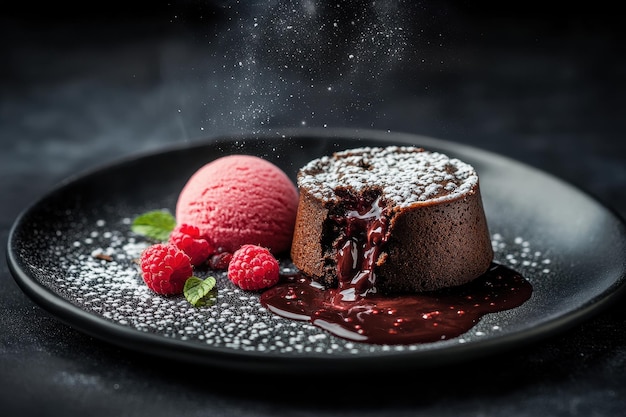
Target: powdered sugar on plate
<point>97,271</point>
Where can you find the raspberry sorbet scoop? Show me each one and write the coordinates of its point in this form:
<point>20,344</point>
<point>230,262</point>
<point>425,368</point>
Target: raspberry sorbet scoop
<point>240,199</point>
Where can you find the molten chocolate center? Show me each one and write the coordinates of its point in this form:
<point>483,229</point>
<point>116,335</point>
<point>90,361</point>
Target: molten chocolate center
<point>365,232</point>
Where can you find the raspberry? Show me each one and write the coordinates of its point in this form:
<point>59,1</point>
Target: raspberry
<point>165,268</point>
<point>187,238</point>
<point>220,259</point>
<point>253,267</point>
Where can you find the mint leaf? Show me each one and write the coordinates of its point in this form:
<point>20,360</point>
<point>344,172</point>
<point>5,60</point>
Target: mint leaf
<point>196,289</point>
<point>156,224</point>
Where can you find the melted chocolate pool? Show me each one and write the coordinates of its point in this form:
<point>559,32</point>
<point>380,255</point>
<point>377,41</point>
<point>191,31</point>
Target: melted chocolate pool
<point>405,319</point>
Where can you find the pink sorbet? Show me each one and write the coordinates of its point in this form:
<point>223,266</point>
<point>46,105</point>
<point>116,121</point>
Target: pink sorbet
<point>240,199</point>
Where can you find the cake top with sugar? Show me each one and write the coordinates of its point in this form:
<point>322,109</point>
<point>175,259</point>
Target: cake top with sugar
<point>405,175</point>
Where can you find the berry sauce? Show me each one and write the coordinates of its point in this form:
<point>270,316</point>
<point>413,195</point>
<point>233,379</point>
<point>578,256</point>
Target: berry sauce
<point>355,311</point>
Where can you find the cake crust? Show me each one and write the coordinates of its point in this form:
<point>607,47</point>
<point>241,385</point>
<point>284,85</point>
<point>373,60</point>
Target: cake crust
<point>306,250</point>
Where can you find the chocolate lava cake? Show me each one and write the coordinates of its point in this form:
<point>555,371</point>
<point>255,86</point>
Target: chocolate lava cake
<point>390,220</point>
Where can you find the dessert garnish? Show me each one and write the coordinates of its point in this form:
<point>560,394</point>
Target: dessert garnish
<point>165,268</point>
<point>155,224</point>
<point>196,290</point>
<point>187,238</point>
<point>253,267</point>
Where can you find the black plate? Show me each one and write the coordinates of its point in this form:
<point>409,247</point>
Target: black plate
<point>571,248</point>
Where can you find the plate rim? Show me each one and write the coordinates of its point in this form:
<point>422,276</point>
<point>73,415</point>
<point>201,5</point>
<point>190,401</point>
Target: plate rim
<point>180,350</point>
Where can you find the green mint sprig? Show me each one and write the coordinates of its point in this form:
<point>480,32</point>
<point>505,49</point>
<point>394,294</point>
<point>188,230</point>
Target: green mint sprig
<point>197,289</point>
<point>155,224</point>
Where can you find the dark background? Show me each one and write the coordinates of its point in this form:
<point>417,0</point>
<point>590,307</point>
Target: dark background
<point>85,84</point>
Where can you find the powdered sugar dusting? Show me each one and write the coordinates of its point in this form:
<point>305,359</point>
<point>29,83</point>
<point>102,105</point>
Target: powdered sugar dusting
<point>406,175</point>
<point>94,267</point>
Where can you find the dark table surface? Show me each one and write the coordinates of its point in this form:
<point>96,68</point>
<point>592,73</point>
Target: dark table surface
<point>83,86</point>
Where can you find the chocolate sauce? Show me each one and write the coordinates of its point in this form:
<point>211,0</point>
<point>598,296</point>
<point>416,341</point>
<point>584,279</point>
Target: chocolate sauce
<point>405,319</point>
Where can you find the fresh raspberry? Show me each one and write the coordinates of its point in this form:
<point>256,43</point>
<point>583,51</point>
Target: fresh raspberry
<point>165,268</point>
<point>187,238</point>
<point>253,267</point>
